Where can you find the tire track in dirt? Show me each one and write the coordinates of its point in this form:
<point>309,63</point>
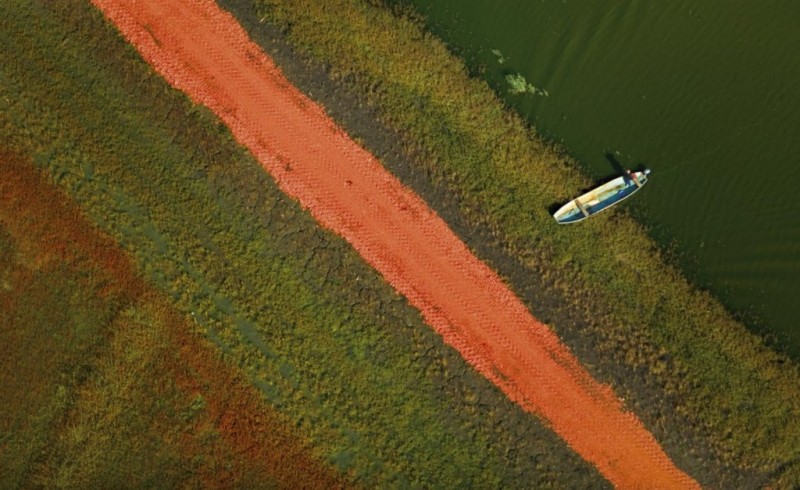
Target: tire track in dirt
<point>202,51</point>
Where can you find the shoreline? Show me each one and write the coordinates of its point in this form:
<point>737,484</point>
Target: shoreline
<point>576,327</point>
<point>276,293</point>
<point>349,192</point>
<point>348,363</point>
<point>362,122</point>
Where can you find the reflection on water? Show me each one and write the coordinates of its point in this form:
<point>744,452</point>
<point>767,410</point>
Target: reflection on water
<point>705,93</point>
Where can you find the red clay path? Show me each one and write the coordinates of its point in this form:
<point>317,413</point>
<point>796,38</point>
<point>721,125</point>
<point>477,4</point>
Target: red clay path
<point>204,52</point>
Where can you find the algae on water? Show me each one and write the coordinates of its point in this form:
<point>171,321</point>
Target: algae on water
<point>520,85</point>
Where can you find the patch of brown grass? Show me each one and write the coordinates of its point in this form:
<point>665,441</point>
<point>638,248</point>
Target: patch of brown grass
<point>103,382</point>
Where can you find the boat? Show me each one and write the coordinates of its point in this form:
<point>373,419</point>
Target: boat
<point>602,197</point>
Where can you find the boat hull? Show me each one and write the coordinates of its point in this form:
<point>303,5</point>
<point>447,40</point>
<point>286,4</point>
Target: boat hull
<point>601,198</point>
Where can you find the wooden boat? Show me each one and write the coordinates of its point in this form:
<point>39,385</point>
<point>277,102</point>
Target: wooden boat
<point>601,198</point>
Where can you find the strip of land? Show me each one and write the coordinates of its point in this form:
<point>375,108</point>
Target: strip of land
<point>323,338</point>
<point>721,402</point>
<point>205,53</point>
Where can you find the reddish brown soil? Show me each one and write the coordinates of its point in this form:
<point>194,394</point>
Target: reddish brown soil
<point>203,51</point>
<point>255,447</point>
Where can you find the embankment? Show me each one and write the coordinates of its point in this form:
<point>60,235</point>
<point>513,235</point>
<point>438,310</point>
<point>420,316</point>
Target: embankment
<point>711,391</point>
<point>328,344</point>
<point>205,53</point>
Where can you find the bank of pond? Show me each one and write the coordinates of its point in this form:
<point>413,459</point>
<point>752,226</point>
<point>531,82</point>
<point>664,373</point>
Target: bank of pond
<point>634,305</point>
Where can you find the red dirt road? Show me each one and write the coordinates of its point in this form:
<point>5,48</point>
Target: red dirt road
<point>202,51</point>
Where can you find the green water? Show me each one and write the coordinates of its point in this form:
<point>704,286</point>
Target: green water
<point>706,93</point>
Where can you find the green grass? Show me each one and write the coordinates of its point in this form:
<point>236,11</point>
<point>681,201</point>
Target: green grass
<point>733,388</point>
<point>103,384</point>
<point>328,342</point>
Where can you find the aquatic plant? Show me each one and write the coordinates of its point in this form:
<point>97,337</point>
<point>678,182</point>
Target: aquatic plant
<point>500,58</point>
<point>520,85</point>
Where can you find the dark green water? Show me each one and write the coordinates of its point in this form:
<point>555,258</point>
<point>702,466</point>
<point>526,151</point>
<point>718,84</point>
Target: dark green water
<point>706,93</point>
